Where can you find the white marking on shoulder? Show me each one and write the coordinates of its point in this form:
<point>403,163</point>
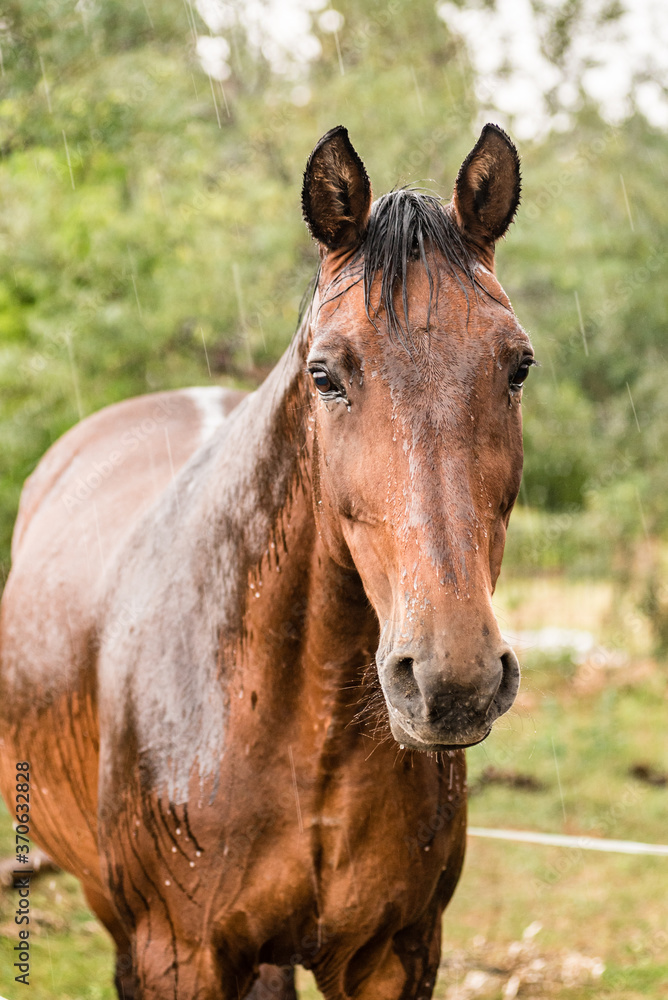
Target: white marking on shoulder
<point>481,267</point>
<point>208,400</point>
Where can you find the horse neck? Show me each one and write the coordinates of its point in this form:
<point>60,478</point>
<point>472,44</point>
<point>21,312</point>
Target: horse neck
<point>303,615</point>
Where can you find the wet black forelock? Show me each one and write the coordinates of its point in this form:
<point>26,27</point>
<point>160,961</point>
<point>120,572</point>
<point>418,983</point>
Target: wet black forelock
<point>408,225</point>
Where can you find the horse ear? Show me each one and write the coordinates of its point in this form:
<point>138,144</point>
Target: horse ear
<point>336,195</point>
<point>487,189</point>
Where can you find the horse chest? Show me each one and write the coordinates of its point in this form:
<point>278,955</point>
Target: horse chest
<point>364,853</point>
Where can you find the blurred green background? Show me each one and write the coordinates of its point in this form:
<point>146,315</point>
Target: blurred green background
<point>151,237</point>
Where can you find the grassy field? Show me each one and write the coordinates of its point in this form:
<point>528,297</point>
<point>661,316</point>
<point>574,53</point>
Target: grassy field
<point>527,921</point>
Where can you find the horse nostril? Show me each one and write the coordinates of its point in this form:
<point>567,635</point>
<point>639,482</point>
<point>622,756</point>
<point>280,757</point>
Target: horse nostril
<point>509,686</point>
<point>404,666</point>
<point>404,676</point>
<point>401,678</point>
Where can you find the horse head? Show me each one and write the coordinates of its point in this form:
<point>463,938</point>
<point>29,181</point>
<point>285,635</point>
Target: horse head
<point>416,364</point>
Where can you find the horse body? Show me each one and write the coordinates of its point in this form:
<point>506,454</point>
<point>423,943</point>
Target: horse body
<point>76,510</point>
<point>205,615</point>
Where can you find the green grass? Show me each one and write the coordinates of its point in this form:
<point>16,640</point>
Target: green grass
<point>71,953</point>
<point>577,732</point>
<point>580,746</point>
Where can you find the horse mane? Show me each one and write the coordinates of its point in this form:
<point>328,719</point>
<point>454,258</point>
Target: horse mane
<point>408,225</point>
<point>405,225</point>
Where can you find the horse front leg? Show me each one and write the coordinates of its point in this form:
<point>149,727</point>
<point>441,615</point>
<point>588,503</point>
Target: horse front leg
<point>168,967</point>
<point>124,975</point>
<point>402,968</point>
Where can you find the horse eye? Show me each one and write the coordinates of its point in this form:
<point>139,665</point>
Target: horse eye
<point>322,381</point>
<point>520,375</point>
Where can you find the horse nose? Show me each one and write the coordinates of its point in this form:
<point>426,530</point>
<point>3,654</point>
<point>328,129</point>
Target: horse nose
<point>444,704</point>
<point>488,691</point>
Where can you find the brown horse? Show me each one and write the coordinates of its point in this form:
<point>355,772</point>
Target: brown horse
<point>202,580</point>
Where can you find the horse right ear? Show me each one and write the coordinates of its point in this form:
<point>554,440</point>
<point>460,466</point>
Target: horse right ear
<point>336,194</point>
<point>487,190</point>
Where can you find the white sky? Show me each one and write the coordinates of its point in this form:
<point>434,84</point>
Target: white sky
<point>282,30</point>
<point>624,58</point>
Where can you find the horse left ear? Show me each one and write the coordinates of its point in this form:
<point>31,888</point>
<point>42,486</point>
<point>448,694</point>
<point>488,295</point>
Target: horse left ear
<point>336,195</point>
<point>487,189</point>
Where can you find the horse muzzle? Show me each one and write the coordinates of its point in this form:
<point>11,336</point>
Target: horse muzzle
<point>432,708</point>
